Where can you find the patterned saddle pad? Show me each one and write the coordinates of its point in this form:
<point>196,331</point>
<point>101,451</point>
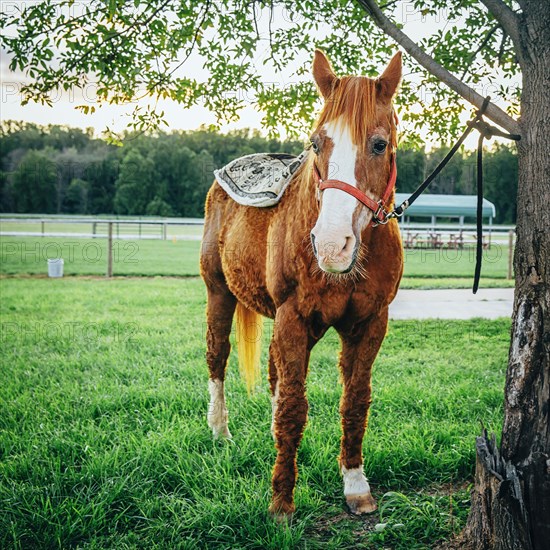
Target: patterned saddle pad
<point>259,179</point>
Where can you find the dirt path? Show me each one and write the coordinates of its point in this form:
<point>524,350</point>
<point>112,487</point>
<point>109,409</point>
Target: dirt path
<point>488,303</point>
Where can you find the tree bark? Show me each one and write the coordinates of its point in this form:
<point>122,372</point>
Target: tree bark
<point>511,499</point>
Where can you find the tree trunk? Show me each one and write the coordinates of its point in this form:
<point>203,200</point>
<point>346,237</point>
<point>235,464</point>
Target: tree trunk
<point>511,499</point>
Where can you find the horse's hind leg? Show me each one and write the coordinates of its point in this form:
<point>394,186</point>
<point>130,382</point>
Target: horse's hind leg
<point>220,308</point>
<point>359,349</point>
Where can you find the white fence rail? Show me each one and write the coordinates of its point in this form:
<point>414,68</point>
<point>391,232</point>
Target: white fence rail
<point>99,227</point>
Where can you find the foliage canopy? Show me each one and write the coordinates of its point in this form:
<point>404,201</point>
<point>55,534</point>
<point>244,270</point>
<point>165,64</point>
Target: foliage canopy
<point>212,53</point>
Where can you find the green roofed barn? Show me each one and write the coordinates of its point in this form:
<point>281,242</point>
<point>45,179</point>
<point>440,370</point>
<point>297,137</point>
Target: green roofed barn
<point>446,206</point>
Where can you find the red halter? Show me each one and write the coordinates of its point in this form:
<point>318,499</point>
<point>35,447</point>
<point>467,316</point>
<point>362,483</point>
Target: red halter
<point>380,214</point>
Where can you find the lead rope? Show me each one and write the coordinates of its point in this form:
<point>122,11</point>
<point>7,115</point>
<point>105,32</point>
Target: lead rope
<point>479,220</point>
<point>486,130</point>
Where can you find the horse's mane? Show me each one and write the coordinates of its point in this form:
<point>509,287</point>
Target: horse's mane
<point>353,100</point>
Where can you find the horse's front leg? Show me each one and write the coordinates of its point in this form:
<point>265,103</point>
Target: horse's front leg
<point>360,345</point>
<point>290,355</point>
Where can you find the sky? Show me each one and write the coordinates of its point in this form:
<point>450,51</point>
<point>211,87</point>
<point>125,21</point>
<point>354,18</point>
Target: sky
<point>116,117</point>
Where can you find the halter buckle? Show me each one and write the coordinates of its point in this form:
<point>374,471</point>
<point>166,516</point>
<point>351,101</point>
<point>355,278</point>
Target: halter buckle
<point>386,216</point>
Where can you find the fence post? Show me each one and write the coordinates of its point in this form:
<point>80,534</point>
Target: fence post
<point>94,228</point>
<point>164,231</point>
<point>510,253</point>
<point>110,250</point>
<point>42,224</point>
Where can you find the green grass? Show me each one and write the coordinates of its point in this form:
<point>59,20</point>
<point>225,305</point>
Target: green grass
<point>29,255</point>
<point>455,263</point>
<point>104,443</point>
<point>423,268</point>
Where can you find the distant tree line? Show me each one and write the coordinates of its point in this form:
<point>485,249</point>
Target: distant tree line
<point>57,169</point>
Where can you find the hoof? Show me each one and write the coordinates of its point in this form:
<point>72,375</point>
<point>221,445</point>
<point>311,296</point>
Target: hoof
<point>281,512</point>
<point>222,433</point>
<point>280,518</point>
<point>361,504</point>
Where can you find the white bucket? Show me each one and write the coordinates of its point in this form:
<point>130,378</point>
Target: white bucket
<point>55,267</point>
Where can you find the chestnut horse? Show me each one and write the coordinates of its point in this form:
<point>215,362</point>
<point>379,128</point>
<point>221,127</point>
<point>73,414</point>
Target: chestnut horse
<point>315,260</point>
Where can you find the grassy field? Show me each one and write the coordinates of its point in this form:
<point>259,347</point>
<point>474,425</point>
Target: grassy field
<point>20,255</point>
<point>104,442</point>
<point>423,268</point>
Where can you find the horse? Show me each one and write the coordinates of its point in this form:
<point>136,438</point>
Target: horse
<point>327,255</point>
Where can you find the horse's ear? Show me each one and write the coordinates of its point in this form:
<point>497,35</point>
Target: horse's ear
<point>323,74</point>
<point>388,82</point>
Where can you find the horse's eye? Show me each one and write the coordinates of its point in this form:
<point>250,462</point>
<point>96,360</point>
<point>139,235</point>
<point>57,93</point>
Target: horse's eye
<point>314,146</point>
<point>379,147</point>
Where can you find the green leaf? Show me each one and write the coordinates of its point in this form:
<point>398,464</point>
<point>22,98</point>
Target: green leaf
<point>112,8</point>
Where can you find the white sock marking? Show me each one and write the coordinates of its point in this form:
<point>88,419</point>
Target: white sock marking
<point>217,411</point>
<point>355,482</point>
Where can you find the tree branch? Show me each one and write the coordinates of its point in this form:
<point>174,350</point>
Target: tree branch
<point>501,49</point>
<point>506,17</point>
<point>496,114</point>
<point>484,43</point>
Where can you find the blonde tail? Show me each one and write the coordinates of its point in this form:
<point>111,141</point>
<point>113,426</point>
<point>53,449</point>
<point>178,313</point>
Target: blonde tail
<point>249,345</point>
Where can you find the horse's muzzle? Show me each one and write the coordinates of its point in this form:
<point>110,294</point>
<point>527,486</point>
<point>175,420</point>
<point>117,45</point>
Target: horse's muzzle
<point>337,255</point>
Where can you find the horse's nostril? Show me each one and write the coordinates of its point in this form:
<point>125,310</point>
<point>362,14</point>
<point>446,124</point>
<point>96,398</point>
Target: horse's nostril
<point>313,243</point>
<point>350,243</point>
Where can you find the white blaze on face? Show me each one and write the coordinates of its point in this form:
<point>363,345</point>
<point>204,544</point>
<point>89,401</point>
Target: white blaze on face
<point>333,233</point>
<point>338,206</point>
